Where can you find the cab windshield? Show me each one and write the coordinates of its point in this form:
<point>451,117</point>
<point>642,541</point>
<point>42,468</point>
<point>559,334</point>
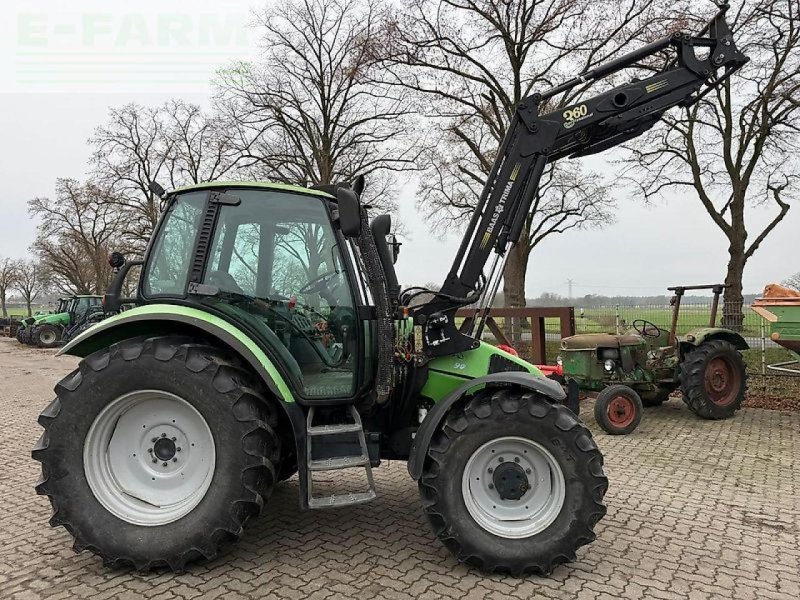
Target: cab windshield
<point>273,265</point>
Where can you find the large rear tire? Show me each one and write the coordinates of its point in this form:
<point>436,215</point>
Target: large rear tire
<point>714,380</point>
<point>157,450</point>
<point>47,336</point>
<point>513,483</point>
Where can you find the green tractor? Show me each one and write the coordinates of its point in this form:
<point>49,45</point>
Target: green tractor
<point>642,367</point>
<point>24,332</point>
<point>48,331</point>
<point>270,338</point>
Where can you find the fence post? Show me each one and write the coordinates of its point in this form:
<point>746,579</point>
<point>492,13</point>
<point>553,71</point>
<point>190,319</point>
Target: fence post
<point>616,318</point>
<point>763,348</point>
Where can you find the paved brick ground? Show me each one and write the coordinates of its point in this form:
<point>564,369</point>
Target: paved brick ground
<point>695,510</point>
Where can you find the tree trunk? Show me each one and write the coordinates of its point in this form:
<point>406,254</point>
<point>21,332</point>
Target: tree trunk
<point>732,315</point>
<point>514,287</point>
<point>28,306</point>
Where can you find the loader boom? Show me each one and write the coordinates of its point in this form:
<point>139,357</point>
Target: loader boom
<point>589,126</point>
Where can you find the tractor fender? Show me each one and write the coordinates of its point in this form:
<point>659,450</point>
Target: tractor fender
<point>435,416</point>
<point>695,337</point>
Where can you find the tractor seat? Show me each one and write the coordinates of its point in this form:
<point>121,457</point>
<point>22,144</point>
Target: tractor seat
<point>590,341</point>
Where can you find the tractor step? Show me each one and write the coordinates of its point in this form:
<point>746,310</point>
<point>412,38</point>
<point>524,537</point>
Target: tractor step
<point>340,462</point>
<point>342,500</point>
<point>334,429</point>
<point>335,463</point>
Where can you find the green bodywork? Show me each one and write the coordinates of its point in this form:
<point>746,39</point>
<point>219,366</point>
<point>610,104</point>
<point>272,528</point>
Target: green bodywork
<point>149,319</point>
<point>58,319</point>
<point>446,373</point>
<point>784,323</point>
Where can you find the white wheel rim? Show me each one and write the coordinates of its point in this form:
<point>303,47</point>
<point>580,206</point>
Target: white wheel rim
<point>48,337</point>
<point>149,457</point>
<point>509,518</point>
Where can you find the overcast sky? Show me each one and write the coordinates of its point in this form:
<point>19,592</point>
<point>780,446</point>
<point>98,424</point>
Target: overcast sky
<point>62,65</point>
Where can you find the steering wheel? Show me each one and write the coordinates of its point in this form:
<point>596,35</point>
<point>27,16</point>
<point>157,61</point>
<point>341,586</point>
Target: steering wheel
<point>318,283</point>
<point>643,328</point>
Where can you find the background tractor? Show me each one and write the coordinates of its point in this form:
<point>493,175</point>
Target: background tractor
<point>643,366</point>
<point>24,332</point>
<point>48,331</point>
<point>270,337</point>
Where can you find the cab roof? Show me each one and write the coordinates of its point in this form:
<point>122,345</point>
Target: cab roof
<point>266,185</point>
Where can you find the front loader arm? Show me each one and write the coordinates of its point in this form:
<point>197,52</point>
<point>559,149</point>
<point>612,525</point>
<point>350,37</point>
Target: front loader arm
<point>533,139</point>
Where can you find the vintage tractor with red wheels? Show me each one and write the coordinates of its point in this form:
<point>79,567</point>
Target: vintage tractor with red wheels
<point>644,366</point>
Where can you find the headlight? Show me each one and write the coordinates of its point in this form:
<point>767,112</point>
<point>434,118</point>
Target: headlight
<point>559,361</point>
<point>609,365</point>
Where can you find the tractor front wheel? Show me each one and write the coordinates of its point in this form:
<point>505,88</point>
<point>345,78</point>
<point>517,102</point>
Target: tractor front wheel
<point>618,409</point>
<point>155,451</point>
<point>513,483</point>
<point>714,380</point>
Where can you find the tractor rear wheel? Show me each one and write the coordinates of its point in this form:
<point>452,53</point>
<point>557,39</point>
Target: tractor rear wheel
<point>155,451</point>
<point>513,483</point>
<point>47,336</point>
<point>714,380</point>
<point>618,409</point>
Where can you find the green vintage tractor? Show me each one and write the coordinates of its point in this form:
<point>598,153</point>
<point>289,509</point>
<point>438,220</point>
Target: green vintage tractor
<point>643,366</point>
<point>271,337</point>
<point>48,331</point>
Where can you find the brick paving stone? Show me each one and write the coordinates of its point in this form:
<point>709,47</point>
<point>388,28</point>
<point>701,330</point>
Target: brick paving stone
<point>697,509</point>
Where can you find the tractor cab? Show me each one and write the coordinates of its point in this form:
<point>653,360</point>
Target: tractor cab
<point>269,261</point>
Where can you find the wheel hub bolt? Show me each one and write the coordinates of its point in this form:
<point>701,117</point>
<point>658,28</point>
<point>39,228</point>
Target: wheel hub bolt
<point>178,448</point>
<point>491,486</point>
<point>154,440</point>
<point>175,459</point>
<point>516,459</point>
<point>500,459</point>
<point>163,464</point>
<point>174,439</point>
<point>150,450</point>
<point>155,460</point>
<point>491,470</point>
<point>528,471</point>
<point>163,435</point>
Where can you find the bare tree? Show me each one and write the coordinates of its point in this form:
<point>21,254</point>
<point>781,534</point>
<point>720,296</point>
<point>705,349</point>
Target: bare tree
<point>739,148</point>
<point>29,282</point>
<point>475,60</point>
<point>309,111</point>
<point>793,281</point>
<point>77,230</point>
<point>174,144</point>
<point>8,278</point>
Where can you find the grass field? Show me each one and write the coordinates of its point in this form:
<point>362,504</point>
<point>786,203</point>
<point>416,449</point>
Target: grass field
<point>605,319</point>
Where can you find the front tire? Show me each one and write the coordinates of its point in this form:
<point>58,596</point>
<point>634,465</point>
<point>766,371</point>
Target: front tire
<point>106,477</point>
<point>545,496</point>
<point>618,409</point>
<point>714,380</point>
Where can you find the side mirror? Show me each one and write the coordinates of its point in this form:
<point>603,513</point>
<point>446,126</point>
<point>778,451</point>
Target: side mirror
<point>349,212</point>
<point>392,240</point>
<point>116,260</point>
